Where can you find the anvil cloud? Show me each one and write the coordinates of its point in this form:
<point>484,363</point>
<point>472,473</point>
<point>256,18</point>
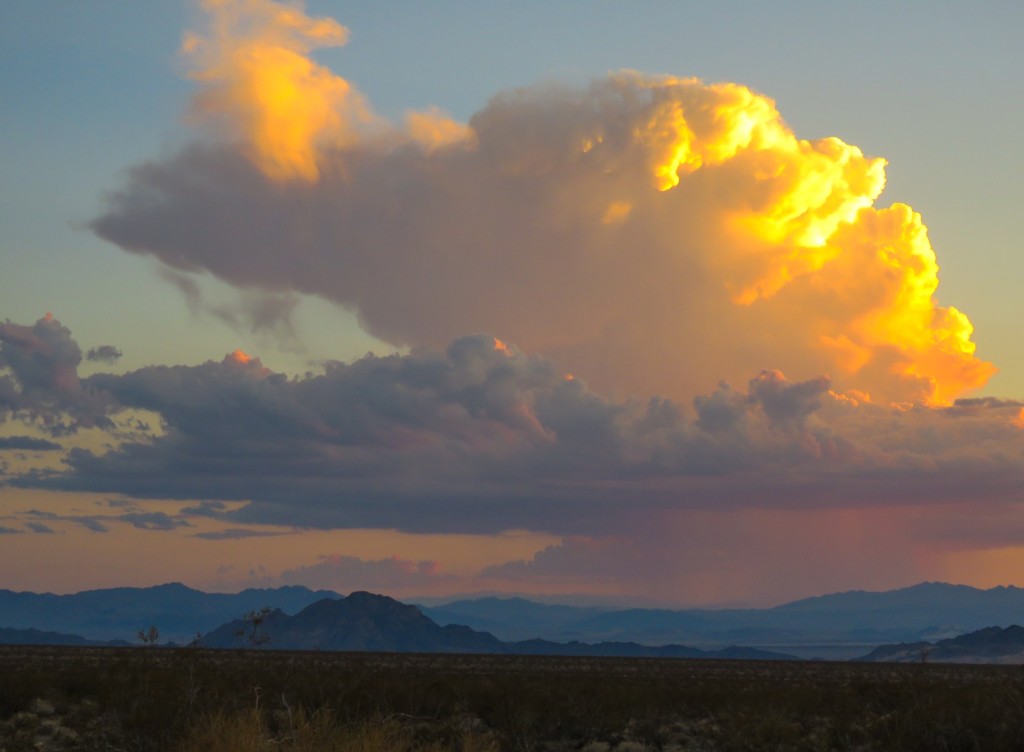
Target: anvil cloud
<point>647,340</point>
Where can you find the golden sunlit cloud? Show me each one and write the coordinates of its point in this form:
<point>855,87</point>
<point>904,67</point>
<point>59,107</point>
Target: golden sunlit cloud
<point>652,234</point>
<point>256,77</point>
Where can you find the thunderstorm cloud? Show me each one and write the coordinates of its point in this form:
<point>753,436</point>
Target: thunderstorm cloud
<point>655,235</point>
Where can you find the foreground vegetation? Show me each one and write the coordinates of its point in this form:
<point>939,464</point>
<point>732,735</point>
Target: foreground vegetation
<point>221,701</point>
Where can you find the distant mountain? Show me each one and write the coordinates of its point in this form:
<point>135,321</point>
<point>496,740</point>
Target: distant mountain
<point>989,645</point>
<point>365,621</point>
<point>840,625</point>
<point>118,613</point>
<point>514,618</point>
<point>362,621</point>
<point>39,637</point>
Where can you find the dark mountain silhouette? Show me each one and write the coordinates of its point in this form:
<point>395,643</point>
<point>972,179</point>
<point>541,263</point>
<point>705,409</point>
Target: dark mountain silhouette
<point>117,613</point>
<point>362,621</point>
<point>365,621</point>
<point>989,645</point>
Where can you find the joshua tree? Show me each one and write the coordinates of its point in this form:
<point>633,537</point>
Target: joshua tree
<point>148,637</point>
<point>252,631</point>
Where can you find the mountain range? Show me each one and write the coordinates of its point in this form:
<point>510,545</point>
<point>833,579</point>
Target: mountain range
<point>838,626</point>
<point>366,621</point>
<point>118,613</point>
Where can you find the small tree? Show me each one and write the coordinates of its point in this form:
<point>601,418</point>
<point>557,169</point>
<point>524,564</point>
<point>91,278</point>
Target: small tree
<point>252,629</point>
<point>148,637</point>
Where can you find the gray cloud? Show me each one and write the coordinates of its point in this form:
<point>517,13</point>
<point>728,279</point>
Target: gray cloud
<point>28,443</point>
<point>483,438</point>
<point>103,354</point>
<point>91,523</point>
<point>39,378</point>
<point>152,521</point>
<point>256,311</point>
<point>39,527</point>
<point>9,530</point>
<point>235,534</point>
<point>212,509</point>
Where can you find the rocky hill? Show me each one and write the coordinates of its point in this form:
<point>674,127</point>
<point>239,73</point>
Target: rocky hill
<point>368,622</point>
<point>989,645</point>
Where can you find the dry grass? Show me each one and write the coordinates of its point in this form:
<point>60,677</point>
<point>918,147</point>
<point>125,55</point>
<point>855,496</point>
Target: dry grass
<point>218,701</point>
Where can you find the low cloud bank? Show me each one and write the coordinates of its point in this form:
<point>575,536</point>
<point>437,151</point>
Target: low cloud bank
<point>482,437</point>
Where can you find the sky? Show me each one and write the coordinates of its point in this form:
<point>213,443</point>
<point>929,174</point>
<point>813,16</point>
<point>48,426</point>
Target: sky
<point>680,304</point>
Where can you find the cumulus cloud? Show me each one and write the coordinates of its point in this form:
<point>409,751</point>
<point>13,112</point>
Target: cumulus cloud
<point>39,378</point>
<point>259,87</point>
<point>652,234</point>
<point>482,437</point>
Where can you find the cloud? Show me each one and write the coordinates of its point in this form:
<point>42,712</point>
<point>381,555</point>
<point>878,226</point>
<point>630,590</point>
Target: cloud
<point>212,509</point>
<point>347,573</point>
<point>9,531</point>
<point>152,521</point>
<point>39,378</point>
<point>90,523</point>
<point>103,354</point>
<point>28,443</point>
<point>236,534</point>
<point>259,86</point>
<point>482,437</point>
<point>652,234</point>
<point>39,527</point>
<point>254,311</point>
